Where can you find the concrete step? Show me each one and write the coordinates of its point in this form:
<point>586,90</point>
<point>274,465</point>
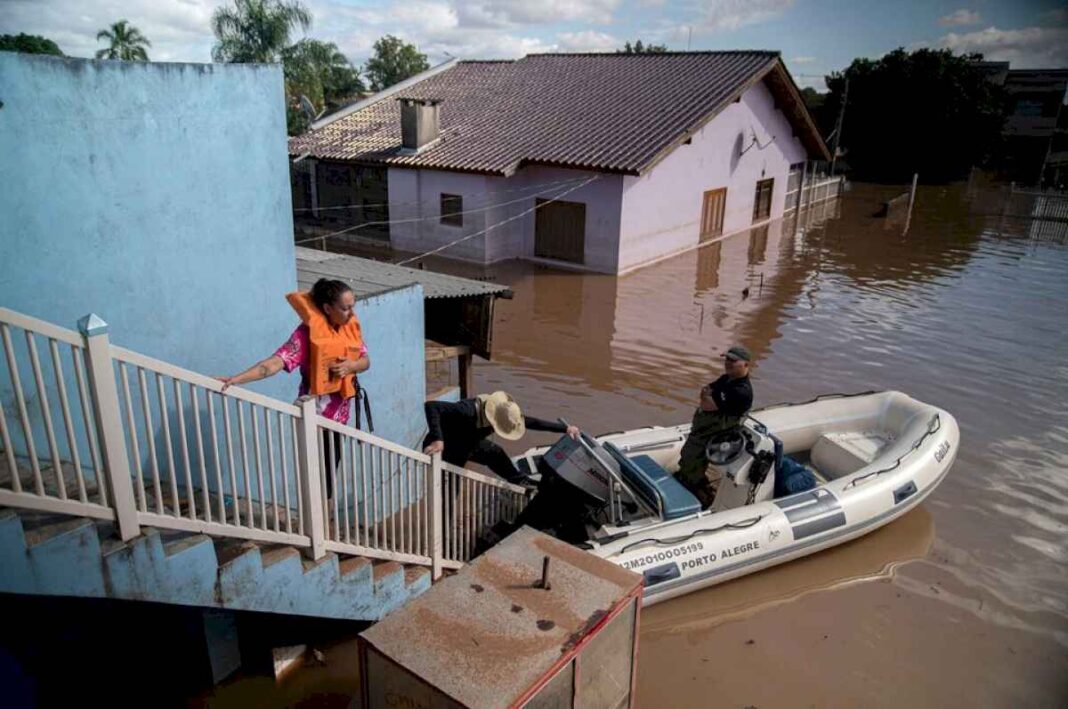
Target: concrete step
<point>54,526</point>
<point>388,577</point>
<point>60,555</point>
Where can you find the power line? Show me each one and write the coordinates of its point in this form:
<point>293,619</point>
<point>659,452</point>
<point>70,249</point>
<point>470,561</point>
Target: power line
<point>386,222</point>
<point>544,185</point>
<point>498,224</point>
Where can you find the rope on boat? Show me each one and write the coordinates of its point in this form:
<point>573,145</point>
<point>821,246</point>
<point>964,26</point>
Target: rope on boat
<point>933,427</point>
<point>745,524</point>
<point>821,397</point>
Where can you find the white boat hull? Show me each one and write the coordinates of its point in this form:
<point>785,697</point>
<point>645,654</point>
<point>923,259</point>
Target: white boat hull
<point>916,446</point>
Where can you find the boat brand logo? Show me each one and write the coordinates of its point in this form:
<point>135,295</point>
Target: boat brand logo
<point>941,452</point>
<point>812,512</point>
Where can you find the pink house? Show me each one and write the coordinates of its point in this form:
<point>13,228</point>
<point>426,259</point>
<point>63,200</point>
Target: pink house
<point>599,161</point>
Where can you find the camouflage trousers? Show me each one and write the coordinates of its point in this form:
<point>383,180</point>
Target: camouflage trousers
<point>695,474</point>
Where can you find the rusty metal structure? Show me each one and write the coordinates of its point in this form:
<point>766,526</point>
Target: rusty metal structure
<point>533,622</point>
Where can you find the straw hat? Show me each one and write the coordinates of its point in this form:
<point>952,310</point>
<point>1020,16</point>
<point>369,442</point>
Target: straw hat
<point>503,415</point>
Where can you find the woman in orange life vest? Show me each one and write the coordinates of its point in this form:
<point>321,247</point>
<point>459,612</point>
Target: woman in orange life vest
<point>328,348</point>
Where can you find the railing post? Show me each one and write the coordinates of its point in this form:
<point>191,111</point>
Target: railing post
<point>437,521</point>
<point>105,398</point>
<point>308,475</point>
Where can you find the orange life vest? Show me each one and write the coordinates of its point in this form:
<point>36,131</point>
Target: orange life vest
<point>328,346</point>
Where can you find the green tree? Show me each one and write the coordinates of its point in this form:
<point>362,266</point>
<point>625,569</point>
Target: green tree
<point>319,72</point>
<point>639,48</point>
<point>256,30</point>
<point>28,44</point>
<point>125,42</point>
<point>394,61</point>
<point>928,111</point>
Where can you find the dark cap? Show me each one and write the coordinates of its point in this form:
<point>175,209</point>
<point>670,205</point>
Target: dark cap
<point>738,352</point>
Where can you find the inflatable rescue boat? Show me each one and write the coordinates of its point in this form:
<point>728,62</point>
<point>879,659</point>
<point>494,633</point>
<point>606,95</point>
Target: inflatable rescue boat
<point>870,458</point>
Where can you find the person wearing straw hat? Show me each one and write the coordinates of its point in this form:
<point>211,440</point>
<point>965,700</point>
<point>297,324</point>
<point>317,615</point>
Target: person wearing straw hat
<point>460,431</point>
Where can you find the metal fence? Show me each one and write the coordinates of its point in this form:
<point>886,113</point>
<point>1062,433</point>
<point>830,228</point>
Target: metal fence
<point>816,189</point>
<point>95,430</point>
<point>1046,205</point>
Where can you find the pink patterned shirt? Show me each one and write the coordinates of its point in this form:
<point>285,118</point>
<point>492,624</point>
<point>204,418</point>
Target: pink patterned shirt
<point>296,353</point>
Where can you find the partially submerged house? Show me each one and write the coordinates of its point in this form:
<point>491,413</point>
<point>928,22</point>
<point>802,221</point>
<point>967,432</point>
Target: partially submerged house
<point>601,161</point>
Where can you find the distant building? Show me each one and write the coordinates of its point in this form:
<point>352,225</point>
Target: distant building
<point>599,161</point>
<point>1036,129</point>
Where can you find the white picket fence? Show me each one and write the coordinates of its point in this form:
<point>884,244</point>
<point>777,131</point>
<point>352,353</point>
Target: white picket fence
<point>100,431</point>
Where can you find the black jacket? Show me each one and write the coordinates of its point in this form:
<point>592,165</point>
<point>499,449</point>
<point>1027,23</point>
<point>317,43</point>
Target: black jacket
<point>457,425</point>
<point>733,397</point>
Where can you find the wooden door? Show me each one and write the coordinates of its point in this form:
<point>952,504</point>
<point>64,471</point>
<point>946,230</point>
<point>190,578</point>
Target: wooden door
<point>712,213</point>
<point>560,231</point>
<point>762,200</point>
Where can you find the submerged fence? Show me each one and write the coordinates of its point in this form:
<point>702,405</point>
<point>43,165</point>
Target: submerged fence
<point>1045,205</point>
<point>91,429</point>
<point>802,192</point>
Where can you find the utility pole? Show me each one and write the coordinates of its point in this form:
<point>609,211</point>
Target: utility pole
<point>838,127</point>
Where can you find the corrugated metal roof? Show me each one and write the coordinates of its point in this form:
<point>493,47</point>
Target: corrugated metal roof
<point>367,277</point>
<point>602,112</point>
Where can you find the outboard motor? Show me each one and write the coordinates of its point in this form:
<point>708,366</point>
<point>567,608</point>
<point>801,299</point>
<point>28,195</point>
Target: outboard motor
<point>573,491</point>
<point>745,457</point>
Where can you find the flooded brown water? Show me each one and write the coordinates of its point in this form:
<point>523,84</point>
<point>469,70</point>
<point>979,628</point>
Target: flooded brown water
<point>964,601</point>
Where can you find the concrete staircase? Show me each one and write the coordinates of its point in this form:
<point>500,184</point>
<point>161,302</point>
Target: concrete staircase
<point>61,555</point>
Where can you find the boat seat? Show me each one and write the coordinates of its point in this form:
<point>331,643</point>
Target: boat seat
<point>838,454</point>
<point>655,485</point>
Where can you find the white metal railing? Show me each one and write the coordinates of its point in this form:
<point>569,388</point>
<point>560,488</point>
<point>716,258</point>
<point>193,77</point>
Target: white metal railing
<point>471,504</point>
<point>815,190</point>
<point>205,461</point>
<point>63,475</point>
<point>115,435</point>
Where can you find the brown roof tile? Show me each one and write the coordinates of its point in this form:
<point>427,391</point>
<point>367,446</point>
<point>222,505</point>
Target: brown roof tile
<point>603,112</point>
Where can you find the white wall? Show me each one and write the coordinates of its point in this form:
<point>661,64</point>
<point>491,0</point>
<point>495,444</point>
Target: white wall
<point>416,194</point>
<point>661,210</point>
<point>498,199</point>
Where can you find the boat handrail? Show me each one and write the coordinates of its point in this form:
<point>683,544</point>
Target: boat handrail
<point>649,445</point>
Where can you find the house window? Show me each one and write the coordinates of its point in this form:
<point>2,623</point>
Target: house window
<point>452,207</point>
<point>762,200</point>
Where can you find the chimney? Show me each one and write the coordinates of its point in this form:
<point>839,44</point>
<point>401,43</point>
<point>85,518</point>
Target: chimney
<point>419,123</point>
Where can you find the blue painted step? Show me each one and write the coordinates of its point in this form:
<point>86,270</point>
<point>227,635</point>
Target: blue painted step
<point>64,556</point>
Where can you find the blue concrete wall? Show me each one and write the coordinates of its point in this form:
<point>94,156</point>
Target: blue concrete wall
<point>396,382</point>
<point>155,195</point>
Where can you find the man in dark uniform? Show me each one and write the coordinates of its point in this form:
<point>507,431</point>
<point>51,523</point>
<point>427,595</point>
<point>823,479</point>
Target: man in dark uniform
<point>460,431</point>
<point>723,404</point>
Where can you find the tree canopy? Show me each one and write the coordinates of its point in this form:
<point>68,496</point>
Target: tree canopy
<point>125,42</point>
<point>256,30</point>
<point>928,111</point>
<point>639,48</point>
<point>29,44</point>
<point>393,61</point>
<point>319,72</point>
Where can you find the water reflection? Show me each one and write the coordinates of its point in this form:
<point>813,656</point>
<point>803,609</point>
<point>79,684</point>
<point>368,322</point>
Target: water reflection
<point>870,557</point>
<point>966,311</point>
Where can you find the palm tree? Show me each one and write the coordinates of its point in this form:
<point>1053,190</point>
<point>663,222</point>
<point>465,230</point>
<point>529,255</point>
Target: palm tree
<point>127,43</point>
<point>256,30</point>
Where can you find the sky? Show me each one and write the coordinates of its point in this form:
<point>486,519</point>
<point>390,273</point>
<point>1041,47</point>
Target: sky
<point>815,37</point>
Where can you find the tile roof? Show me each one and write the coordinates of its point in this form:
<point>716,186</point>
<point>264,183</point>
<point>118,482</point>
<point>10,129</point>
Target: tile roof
<point>602,112</point>
<point>367,277</point>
